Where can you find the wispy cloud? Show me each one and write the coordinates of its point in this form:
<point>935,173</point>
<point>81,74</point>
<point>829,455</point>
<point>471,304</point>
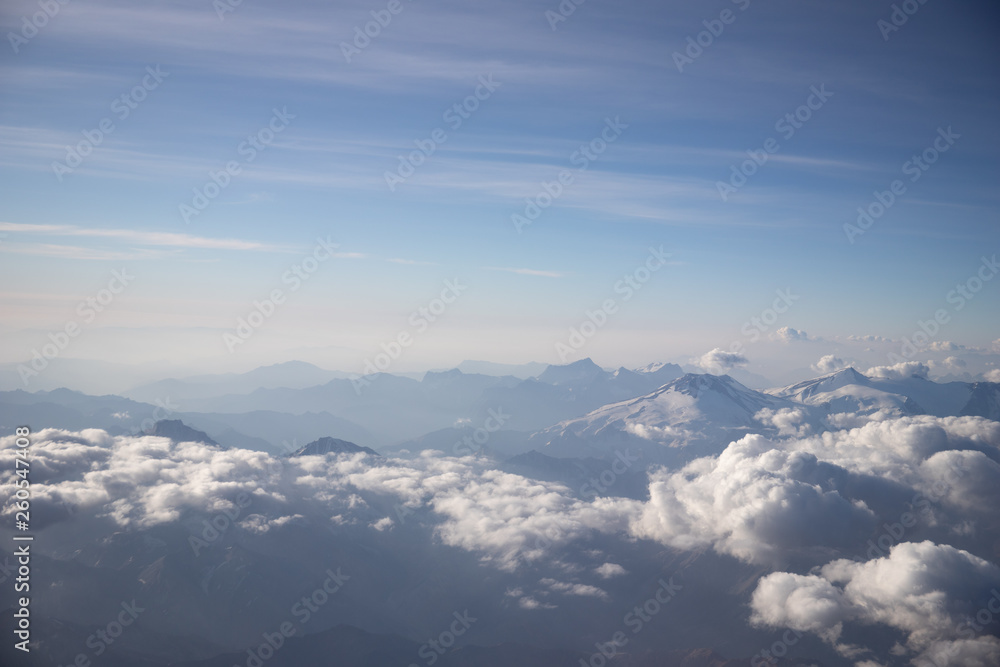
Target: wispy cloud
<point>526,272</point>
<point>145,238</point>
<point>79,252</point>
<point>415,262</point>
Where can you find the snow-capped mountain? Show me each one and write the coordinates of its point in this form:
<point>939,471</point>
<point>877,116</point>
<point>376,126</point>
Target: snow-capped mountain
<point>848,391</point>
<point>704,411</point>
<point>568,391</point>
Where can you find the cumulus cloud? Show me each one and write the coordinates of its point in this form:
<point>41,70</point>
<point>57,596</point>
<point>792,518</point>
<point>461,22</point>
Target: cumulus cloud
<point>869,339</point>
<point>954,362</point>
<point>926,590</point>
<point>829,364</point>
<point>787,421</point>
<point>754,502</point>
<point>814,496</point>
<point>574,589</point>
<point>647,432</point>
<point>900,371</point>
<point>944,346</point>
<point>720,361</point>
<point>513,519</point>
<point>949,365</point>
<point>528,602</point>
<point>897,448</point>
<point>791,501</point>
<point>609,570</point>
<point>789,335</point>
<point>142,482</point>
<point>992,375</point>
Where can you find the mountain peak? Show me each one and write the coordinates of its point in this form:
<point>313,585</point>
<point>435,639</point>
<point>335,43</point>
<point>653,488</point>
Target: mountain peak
<point>694,383</point>
<point>850,373</point>
<point>451,373</point>
<point>824,383</point>
<point>584,369</point>
<point>327,445</point>
<point>178,431</point>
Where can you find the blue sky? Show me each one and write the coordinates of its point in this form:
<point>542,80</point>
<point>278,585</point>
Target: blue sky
<point>323,175</point>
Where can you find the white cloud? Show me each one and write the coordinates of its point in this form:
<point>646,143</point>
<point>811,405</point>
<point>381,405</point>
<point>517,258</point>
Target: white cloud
<point>944,346</point>
<point>900,371</point>
<point>583,590</point>
<point>526,272</point>
<point>140,482</point>
<point>791,502</point>
<point>926,590</point>
<point>829,364</point>
<point>720,361</point>
<point>609,570</point>
<point>655,432</point>
<point>789,335</point>
<point>788,421</point>
<point>810,497</point>
<point>140,237</point>
<point>869,339</point>
<point>754,502</point>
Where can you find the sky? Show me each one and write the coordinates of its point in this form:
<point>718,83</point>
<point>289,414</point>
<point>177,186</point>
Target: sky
<point>116,118</point>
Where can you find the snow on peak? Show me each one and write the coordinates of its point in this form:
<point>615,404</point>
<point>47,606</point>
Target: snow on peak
<point>803,391</point>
